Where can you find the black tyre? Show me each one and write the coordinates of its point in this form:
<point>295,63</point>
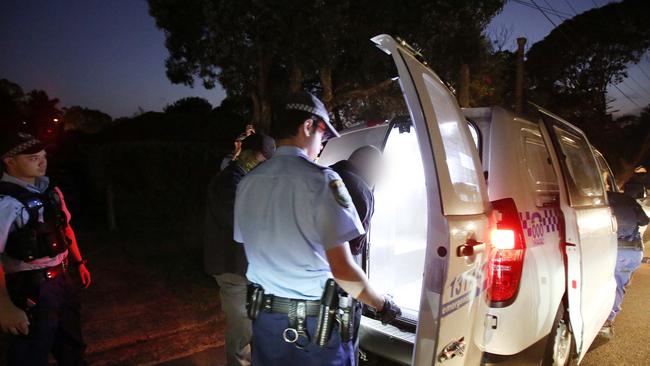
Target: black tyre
<point>560,346</point>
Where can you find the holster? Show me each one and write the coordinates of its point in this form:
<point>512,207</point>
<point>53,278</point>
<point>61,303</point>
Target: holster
<point>329,308</point>
<point>348,312</point>
<point>24,290</point>
<point>254,300</point>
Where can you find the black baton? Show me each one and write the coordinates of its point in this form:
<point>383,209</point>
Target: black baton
<point>329,304</point>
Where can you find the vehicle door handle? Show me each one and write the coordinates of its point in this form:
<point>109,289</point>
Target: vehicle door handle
<point>470,248</point>
<point>453,349</point>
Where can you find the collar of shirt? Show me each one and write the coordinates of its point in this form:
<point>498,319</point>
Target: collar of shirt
<point>39,186</point>
<point>291,151</point>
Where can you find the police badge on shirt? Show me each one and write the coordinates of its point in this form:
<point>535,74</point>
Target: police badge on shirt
<point>340,193</point>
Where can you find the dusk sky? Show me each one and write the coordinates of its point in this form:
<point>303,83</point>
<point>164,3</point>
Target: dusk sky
<point>109,55</point>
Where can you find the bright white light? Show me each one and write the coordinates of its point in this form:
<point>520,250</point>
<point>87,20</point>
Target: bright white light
<point>399,226</point>
<point>503,239</point>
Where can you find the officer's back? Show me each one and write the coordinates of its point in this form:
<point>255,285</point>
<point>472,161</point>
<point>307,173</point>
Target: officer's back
<point>294,203</point>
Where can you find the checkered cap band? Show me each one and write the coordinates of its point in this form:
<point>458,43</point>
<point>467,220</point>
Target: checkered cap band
<point>309,109</point>
<point>20,148</point>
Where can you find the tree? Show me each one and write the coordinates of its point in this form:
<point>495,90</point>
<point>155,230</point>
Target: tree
<point>190,106</point>
<point>42,115</point>
<point>11,108</point>
<point>571,69</point>
<point>263,50</point>
<point>86,120</point>
<point>628,144</point>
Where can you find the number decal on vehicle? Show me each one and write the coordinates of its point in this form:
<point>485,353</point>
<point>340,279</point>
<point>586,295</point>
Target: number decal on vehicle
<point>462,289</point>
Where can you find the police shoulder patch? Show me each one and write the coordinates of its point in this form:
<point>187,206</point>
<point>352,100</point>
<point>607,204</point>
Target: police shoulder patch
<point>340,193</point>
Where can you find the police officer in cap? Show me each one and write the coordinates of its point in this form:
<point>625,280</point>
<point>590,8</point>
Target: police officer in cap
<point>295,218</point>
<point>39,297</point>
<point>224,259</point>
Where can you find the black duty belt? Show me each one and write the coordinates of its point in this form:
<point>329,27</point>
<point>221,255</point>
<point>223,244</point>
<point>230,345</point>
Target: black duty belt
<point>47,273</point>
<point>277,304</point>
<point>297,311</point>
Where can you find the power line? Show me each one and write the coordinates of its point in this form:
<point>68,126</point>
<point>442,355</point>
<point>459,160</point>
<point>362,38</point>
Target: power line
<point>559,14</point>
<point>643,72</point>
<point>543,13</point>
<point>638,84</point>
<point>551,7</point>
<point>625,95</point>
<point>569,39</point>
<point>575,12</point>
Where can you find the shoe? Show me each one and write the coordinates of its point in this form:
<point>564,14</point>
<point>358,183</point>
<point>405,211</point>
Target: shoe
<point>607,330</point>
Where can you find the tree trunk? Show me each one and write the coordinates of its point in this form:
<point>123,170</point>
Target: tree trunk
<point>326,82</point>
<point>110,208</point>
<point>261,95</point>
<point>463,92</point>
<point>519,81</point>
<point>295,78</point>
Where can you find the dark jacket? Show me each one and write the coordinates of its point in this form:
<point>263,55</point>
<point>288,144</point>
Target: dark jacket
<point>363,199</point>
<point>629,216</point>
<point>221,254</point>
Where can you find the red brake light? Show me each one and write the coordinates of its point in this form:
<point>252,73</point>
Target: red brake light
<point>503,239</point>
<point>506,256</point>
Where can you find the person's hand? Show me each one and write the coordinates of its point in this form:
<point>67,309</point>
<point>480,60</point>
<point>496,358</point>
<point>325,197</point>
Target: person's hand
<point>389,312</point>
<point>84,274</point>
<point>14,320</point>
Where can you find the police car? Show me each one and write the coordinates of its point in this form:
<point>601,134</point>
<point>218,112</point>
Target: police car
<point>553,280</point>
<point>470,275</point>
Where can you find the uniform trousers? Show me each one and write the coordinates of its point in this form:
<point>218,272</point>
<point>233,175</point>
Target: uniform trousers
<point>627,261</point>
<point>270,349</point>
<point>55,320</point>
<point>232,290</point>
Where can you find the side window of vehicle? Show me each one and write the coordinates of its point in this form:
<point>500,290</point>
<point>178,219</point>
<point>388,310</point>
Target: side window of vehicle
<point>463,172</point>
<point>539,170</point>
<point>584,182</point>
<point>605,173</point>
<point>399,225</point>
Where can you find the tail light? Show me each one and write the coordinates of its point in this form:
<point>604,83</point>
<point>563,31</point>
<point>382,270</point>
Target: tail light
<point>506,255</point>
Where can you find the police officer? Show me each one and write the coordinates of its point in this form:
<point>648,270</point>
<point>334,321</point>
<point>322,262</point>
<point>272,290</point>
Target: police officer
<point>295,218</point>
<point>629,216</point>
<point>224,259</point>
<point>39,297</point>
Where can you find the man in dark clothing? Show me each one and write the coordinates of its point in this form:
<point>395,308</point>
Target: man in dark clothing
<point>629,216</point>
<point>359,174</point>
<point>224,259</point>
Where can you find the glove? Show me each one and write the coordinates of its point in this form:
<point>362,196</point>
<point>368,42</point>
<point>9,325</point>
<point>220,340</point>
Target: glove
<point>389,312</point>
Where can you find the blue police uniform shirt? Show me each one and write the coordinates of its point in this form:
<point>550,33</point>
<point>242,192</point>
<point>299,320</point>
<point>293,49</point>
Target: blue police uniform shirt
<point>288,212</point>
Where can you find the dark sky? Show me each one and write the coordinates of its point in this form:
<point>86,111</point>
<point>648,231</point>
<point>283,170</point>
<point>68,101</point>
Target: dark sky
<point>103,54</point>
<point>109,55</point>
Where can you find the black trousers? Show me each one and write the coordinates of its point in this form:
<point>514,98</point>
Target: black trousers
<point>55,321</point>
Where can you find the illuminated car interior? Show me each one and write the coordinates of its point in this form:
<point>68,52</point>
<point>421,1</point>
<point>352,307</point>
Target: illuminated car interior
<point>399,225</point>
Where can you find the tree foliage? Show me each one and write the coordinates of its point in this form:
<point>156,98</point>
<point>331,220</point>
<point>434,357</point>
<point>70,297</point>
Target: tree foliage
<point>85,120</point>
<point>33,112</point>
<point>571,69</point>
<point>263,50</point>
<point>190,106</point>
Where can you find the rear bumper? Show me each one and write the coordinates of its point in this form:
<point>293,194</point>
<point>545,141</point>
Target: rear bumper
<point>529,356</point>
